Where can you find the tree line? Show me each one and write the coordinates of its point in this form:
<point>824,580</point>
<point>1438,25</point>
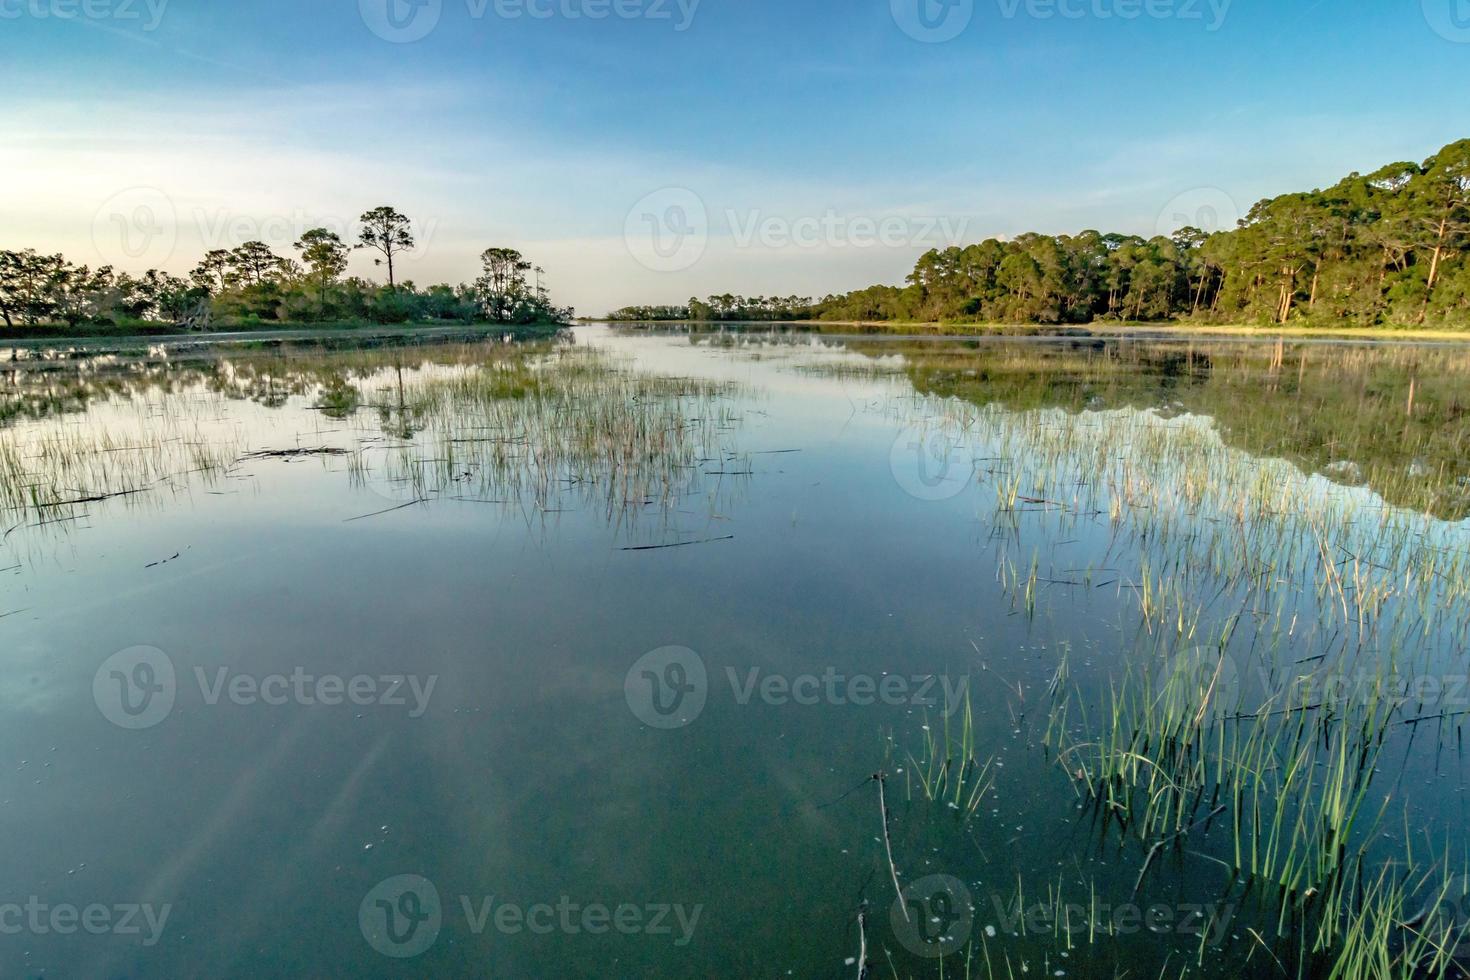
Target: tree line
<point>725,307</point>
<point>252,284</point>
<point>1388,248</point>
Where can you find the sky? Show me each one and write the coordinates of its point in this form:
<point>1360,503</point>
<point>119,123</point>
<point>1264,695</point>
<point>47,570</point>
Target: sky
<point>647,151</point>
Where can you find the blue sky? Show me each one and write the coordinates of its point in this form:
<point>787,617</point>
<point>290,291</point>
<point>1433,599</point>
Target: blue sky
<point>792,147</point>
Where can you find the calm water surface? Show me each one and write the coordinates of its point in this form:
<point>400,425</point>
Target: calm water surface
<point>253,694</point>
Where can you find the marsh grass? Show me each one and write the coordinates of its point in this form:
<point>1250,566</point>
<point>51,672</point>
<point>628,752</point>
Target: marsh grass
<point>948,769</point>
<point>536,427</point>
<point>1298,575</point>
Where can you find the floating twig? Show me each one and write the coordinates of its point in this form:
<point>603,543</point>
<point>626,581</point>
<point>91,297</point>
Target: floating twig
<point>880,778</point>
<point>379,513</point>
<point>677,544</point>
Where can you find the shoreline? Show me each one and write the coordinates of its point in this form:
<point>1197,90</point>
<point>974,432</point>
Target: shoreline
<point>285,332</point>
<point>1182,330</point>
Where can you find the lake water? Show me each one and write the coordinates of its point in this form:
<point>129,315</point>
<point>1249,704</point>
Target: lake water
<point>450,657</point>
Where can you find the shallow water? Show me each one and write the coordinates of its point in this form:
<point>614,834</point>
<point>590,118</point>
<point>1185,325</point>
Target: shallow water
<point>259,690</point>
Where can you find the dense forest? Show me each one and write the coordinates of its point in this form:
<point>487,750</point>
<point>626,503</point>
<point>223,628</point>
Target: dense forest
<point>1386,248</point>
<point>252,285</point>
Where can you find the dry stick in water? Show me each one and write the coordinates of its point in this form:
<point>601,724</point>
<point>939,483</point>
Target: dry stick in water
<point>862,960</point>
<point>880,778</point>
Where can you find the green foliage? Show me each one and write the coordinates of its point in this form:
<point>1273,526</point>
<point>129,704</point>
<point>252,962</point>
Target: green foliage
<point>726,307</point>
<point>252,286</point>
<point>1386,249</point>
